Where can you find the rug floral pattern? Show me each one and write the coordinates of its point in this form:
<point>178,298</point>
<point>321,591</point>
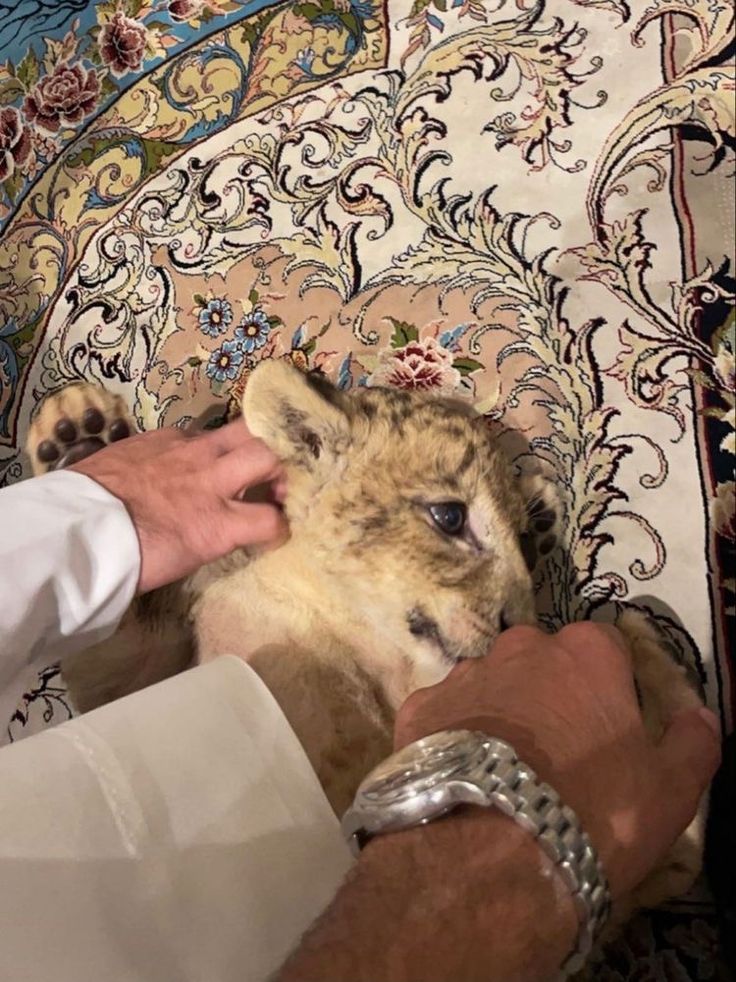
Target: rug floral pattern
<point>527,204</point>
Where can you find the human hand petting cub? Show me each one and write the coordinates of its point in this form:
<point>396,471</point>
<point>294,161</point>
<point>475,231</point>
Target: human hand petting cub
<point>183,493</point>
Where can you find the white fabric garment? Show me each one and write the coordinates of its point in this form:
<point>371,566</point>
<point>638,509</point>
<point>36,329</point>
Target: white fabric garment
<point>69,565</point>
<point>177,834</point>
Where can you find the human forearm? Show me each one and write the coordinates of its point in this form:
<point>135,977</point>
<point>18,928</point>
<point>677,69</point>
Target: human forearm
<point>471,898</point>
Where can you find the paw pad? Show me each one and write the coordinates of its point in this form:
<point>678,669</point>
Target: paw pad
<point>66,431</point>
<point>93,421</point>
<point>75,423</point>
<point>119,429</point>
<point>78,442</point>
<point>73,443</point>
<point>540,539</point>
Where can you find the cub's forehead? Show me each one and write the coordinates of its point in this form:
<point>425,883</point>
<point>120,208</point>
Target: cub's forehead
<point>440,443</point>
<point>406,412</point>
<point>400,404</point>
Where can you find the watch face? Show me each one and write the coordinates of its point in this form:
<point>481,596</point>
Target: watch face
<point>422,766</point>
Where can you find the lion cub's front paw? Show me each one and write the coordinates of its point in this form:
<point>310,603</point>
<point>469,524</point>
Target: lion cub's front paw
<point>73,424</point>
<point>544,512</point>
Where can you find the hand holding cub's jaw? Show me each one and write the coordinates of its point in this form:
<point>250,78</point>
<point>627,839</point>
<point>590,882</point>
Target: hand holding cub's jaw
<point>183,493</point>
<point>568,705</point>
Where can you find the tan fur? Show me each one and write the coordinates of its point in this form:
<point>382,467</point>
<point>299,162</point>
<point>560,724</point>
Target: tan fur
<point>326,620</point>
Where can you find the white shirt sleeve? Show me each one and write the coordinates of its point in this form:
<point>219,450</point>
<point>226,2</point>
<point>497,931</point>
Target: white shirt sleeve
<point>69,566</point>
<point>178,834</point>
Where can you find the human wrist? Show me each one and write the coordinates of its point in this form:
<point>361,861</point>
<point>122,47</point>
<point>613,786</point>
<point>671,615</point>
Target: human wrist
<point>466,897</point>
<point>484,879</point>
<point>558,766</point>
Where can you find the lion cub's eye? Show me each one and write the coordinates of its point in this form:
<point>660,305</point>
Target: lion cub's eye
<point>449,516</point>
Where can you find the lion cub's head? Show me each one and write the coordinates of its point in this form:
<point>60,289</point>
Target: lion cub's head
<point>408,519</point>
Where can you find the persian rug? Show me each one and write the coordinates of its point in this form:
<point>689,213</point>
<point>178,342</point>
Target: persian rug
<point>526,203</point>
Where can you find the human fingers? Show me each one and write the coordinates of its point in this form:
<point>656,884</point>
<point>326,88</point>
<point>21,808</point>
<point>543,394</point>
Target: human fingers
<point>280,488</point>
<point>255,525</point>
<point>247,465</point>
<point>689,755</point>
<point>226,438</point>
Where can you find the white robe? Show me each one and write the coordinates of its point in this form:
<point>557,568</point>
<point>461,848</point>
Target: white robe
<point>177,834</point>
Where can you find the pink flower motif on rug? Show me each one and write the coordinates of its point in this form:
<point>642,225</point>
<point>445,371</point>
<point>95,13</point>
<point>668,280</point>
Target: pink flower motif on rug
<point>421,364</point>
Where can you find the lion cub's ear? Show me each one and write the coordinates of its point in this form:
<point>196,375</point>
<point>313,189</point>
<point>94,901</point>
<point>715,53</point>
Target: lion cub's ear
<point>299,417</point>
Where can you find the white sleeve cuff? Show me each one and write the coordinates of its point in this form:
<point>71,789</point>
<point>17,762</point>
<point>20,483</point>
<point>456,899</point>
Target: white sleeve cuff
<point>69,567</point>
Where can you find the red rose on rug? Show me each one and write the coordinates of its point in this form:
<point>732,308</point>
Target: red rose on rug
<point>122,44</point>
<point>15,142</point>
<point>67,95</point>
<point>418,365</point>
<point>183,10</point>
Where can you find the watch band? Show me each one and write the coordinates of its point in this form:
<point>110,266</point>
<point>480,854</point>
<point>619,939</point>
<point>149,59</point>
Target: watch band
<point>496,777</point>
<point>533,804</point>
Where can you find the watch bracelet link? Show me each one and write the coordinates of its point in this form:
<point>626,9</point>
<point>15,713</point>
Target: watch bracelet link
<point>517,792</point>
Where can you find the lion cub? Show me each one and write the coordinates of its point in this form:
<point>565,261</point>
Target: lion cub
<point>411,542</point>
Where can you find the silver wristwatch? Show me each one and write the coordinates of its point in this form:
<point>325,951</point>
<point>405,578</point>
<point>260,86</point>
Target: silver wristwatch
<point>454,767</point>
